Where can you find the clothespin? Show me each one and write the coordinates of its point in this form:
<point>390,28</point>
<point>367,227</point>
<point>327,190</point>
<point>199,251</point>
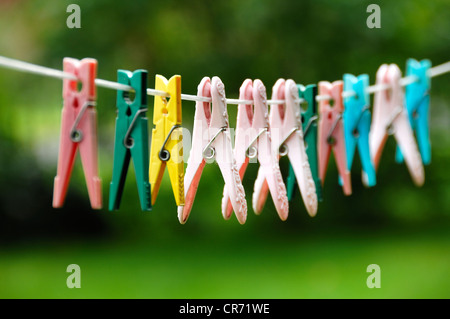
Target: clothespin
<point>309,126</point>
<point>418,104</point>
<point>131,139</point>
<point>78,131</point>
<point>287,139</point>
<point>390,118</point>
<point>253,141</point>
<point>357,125</point>
<point>167,139</point>
<point>211,140</point>
<point>331,133</point>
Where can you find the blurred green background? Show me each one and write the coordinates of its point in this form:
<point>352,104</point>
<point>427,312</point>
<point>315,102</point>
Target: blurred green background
<point>135,254</point>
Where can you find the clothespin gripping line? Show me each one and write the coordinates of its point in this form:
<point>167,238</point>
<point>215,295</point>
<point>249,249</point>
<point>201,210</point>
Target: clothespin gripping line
<point>164,155</point>
<point>76,135</point>
<point>212,152</point>
<point>254,151</point>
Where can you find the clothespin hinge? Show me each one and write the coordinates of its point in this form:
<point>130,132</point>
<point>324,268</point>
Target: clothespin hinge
<point>76,135</point>
<point>254,150</point>
<point>208,147</point>
<point>127,140</point>
<point>164,155</point>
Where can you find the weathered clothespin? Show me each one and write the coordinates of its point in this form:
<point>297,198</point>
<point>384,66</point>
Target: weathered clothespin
<point>78,131</point>
<point>309,125</point>
<point>253,141</point>
<point>331,133</point>
<point>390,118</point>
<point>131,139</point>
<point>287,139</point>
<point>211,140</point>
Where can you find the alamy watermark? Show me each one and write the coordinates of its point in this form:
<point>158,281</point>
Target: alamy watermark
<point>74,19</point>
<point>374,279</point>
<point>374,19</point>
<point>74,279</point>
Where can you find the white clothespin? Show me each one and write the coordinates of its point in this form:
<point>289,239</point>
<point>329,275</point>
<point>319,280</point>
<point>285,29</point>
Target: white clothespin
<point>391,118</point>
<point>287,139</point>
<point>211,140</point>
<point>253,141</point>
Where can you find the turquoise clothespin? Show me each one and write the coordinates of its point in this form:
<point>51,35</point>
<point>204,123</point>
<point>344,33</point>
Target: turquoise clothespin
<point>357,120</point>
<point>417,99</point>
<point>309,127</point>
<point>131,139</point>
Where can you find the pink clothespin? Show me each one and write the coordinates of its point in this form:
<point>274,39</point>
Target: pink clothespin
<point>78,130</point>
<point>390,117</point>
<point>331,133</point>
<point>211,139</point>
<point>287,139</point>
<point>253,141</point>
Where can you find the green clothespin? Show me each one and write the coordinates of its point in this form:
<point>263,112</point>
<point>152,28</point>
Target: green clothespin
<point>309,126</point>
<point>131,139</point>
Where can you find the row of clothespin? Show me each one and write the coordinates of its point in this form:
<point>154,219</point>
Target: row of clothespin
<point>298,128</point>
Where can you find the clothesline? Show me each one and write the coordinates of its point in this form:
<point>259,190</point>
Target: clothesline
<point>54,73</point>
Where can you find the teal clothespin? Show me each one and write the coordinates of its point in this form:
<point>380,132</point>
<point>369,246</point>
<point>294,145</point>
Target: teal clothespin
<point>131,139</point>
<point>417,99</point>
<point>309,127</point>
<point>357,120</point>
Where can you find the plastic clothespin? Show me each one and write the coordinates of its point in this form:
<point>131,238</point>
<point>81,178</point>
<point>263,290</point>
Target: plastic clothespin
<point>253,141</point>
<point>357,120</point>
<point>287,139</point>
<point>309,126</point>
<point>331,133</point>
<point>131,139</point>
<point>390,118</point>
<point>211,140</point>
<point>418,104</point>
<point>78,130</point>
<point>167,139</point>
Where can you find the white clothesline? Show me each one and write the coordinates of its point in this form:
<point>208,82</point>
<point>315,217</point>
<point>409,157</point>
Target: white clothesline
<point>45,71</point>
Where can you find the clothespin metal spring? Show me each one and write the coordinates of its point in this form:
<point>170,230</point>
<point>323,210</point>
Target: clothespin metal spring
<point>355,130</point>
<point>389,128</point>
<point>253,149</point>
<point>313,119</point>
<point>127,140</point>
<point>76,135</point>
<point>212,152</point>
<point>330,139</point>
<point>164,155</point>
<point>283,149</point>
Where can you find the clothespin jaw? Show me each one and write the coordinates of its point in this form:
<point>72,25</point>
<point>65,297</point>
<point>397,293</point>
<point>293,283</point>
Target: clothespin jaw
<point>390,118</point>
<point>131,139</point>
<point>357,120</point>
<point>309,124</point>
<point>417,99</point>
<point>78,131</point>
<point>331,132</point>
<point>167,139</point>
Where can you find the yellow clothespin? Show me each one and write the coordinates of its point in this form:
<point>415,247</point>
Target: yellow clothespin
<point>167,139</point>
